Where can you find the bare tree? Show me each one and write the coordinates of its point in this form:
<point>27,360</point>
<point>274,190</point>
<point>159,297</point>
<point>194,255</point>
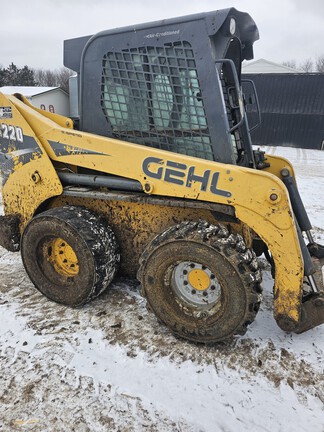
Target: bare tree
<point>64,75</point>
<point>56,78</point>
<point>290,63</point>
<point>307,65</point>
<point>320,63</point>
<point>45,78</point>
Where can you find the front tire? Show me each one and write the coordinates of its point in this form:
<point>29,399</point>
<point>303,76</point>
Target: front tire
<point>201,281</point>
<point>69,254</point>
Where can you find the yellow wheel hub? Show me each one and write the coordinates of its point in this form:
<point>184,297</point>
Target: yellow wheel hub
<point>199,279</point>
<point>196,285</point>
<point>62,257</point>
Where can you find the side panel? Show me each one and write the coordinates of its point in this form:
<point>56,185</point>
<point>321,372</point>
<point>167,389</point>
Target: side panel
<point>28,176</point>
<point>136,224</point>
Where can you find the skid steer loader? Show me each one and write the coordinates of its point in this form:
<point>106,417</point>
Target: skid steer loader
<point>154,174</point>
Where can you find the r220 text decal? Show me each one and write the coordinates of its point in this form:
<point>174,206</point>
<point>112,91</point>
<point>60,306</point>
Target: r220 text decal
<point>182,175</point>
<point>11,133</point>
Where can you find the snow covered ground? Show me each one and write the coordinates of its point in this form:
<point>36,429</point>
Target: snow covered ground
<point>111,366</point>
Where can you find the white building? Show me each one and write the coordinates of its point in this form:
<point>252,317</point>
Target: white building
<point>266,66</point>
<point>52,99</point>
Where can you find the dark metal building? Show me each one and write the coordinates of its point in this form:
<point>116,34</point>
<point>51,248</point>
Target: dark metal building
<point>292,110</point>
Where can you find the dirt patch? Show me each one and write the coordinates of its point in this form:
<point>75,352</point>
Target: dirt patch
<point>41,388</point>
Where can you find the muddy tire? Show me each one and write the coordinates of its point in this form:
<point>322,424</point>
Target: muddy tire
<point>201,281</point>
<point>69,254</point>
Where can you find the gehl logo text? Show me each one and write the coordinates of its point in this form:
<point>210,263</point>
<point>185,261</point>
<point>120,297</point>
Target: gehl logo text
<point>182,175</point>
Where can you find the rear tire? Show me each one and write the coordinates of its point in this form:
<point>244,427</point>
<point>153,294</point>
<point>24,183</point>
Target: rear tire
<point>69,254</point>
<point>201,281</point>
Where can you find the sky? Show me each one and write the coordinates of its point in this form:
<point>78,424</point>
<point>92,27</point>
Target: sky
<point>32,32</point>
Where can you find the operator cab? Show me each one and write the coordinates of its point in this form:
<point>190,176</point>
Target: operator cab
<point>173,85</point>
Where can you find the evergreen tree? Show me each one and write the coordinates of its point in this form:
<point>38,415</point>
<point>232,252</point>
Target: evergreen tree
<point>14,76</point>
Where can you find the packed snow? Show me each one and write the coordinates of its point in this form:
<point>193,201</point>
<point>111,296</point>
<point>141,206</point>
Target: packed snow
<point>111,366</point>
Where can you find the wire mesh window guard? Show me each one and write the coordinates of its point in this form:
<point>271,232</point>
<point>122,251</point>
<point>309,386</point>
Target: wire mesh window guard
<point>151,96</point>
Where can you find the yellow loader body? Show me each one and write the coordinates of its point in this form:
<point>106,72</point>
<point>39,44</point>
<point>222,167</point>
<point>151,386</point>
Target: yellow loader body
<point>259,199</point>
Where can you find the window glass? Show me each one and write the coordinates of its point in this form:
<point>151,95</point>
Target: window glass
<point>152,96</point>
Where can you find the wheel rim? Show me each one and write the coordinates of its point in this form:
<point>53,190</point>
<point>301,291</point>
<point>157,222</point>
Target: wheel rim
<point>62,256</point>
<point>196,285</point>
